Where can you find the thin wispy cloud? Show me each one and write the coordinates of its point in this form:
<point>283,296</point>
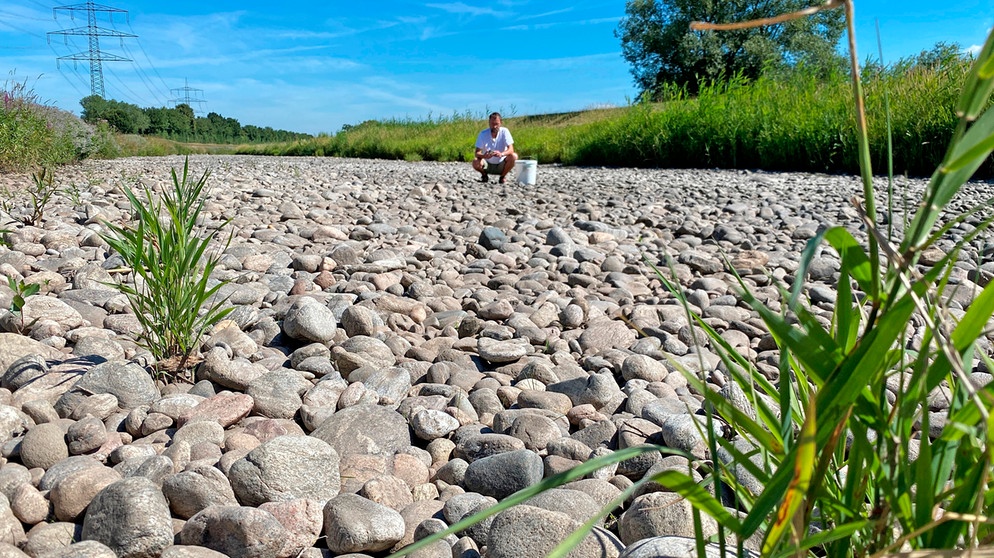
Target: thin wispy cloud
<point>461,8</point>
<point>544,15</point>
<point>337,32</point>
<point>551,25</point>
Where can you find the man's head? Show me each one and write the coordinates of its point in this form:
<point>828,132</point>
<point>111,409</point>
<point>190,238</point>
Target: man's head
<point>495,121</point>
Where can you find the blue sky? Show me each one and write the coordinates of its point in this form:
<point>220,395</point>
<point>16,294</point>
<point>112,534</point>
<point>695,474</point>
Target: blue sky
<point>314,66</point>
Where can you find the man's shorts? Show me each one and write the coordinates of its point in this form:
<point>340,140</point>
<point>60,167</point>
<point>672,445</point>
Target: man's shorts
<point>496,168</point>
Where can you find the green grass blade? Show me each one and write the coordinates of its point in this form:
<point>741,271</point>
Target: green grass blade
<point>816,349</point>
<point>970,326</point>
<point>701,498</point>
<point>979,84</point>
<point>857,263</point>
<point>577,536</point>
<point>859,369</point>
<point>790,511</point>
<point>524,494</point>
<point>734,415</point>
<point>822,539</point>
<point>964,158</point>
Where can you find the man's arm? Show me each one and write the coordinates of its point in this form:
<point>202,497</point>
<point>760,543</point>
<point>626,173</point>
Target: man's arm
<point>509,141</point>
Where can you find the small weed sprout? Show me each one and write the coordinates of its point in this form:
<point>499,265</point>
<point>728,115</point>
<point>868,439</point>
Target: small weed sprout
<point>171,291</point>
<point>22,291</point>
<point>41,193</point>
<point>7,199</point>
<point>74,194</point>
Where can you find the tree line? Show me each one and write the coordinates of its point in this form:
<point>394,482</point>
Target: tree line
<point>179,123</point>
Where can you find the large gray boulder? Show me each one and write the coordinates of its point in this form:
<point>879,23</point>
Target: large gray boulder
<point>391,384</point>
<point>309,320</point>
<point>285,468</point>
<point>360,350</point>
<point>84,549</point>
<point>355,524</point>
<point>71,496</point>
<point>365,430</point>
<point>680,547</point>
<point>504,474</point>
<point>576,504</point>
<point>304,521</point>
<point>661,514</point>
<point>278,394</point>
<point>131,516</point>
<point>461,506</point>
<point>529,531</point>
<point>194,490</point>
<point>43,446</point>
<point>236,531</point>
<point>127,381</point>
<point>26,371</point>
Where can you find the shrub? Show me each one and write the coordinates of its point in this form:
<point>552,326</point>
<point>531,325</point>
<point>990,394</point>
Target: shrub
<point>33,134</point>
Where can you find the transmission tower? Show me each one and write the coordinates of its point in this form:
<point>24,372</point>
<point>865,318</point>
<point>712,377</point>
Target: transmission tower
<point>183,95</point>
<point>94,56</point>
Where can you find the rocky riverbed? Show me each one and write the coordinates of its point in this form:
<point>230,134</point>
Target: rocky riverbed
<point>408,346</point>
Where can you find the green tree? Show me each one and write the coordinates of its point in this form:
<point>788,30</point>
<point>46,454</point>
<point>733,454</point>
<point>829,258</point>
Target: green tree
<point>657,41</point>
<point>124,117</point>
<point>94,108</point>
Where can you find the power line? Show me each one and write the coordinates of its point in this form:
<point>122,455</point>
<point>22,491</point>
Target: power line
<point>40,5</point>
<point>134,96</point>
<point>93,55</point>
<point>21,16</point>
<point>73,85</point>
<point>149,60</point>
<point>146,80</point>
<point>75,73</point>
<point>20,30</point>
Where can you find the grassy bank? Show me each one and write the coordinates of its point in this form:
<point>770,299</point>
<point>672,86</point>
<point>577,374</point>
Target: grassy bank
<point>796,122</point>
<point>131,145</point>
<point>793,122</point>
<point>35,135</point>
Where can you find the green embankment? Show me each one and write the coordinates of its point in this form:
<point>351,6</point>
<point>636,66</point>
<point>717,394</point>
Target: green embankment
<point>794,122</point>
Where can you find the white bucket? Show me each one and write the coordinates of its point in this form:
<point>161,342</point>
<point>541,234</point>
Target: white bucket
<point>526,170</point>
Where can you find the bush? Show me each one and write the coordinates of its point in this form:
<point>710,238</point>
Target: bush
<point>33,134</point>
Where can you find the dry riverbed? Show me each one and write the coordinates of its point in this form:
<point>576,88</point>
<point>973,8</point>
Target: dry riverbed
<point>408,346</point>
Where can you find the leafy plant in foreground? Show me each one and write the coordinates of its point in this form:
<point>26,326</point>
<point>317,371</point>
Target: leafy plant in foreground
<point>171,292</point>
<point>853,462</point>
<point>22,291</point>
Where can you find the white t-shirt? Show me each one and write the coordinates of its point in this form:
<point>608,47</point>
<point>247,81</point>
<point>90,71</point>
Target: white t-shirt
<point>486,141</point>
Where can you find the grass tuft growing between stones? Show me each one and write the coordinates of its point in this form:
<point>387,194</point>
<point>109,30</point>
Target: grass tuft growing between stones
<point>169,258</point>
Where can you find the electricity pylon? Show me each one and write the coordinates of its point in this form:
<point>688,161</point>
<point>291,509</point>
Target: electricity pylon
<point>183,95</point>
<point>93,55</point>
